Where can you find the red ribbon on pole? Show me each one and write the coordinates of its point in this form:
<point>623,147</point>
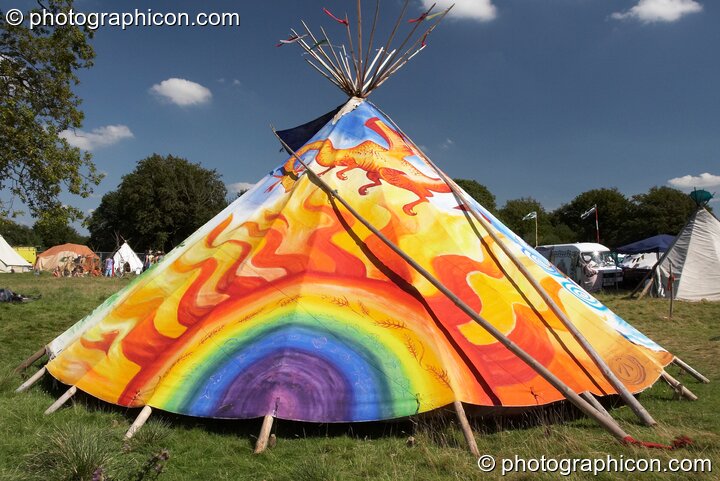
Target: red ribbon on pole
<point>339,20</point>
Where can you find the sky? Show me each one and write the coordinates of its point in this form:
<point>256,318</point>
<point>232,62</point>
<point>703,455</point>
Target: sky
<point>532,99</point>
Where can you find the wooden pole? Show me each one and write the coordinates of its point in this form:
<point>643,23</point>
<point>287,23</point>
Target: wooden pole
<point>262,440</point>
<point>689,369</point>
<point>32,380</point>
<point>678,387</point>
<point>29,361</point>
<point>467,431</point>
<point>621,389</point>
<point>139,422</point>
<point>61,400</point>
<point>671,288</point>
<point>646,289</point>
<point>640,284</point>
<point>588,396</point>
<point>545,373</point>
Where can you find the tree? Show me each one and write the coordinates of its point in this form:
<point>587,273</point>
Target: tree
<point>614,210</point>
<point>157,205</point>
<point>52,230</point>
<point>17,234</point>
<point>478,192</point>
<point>513,212</point>
<point>662,210</point>
<point>37,71</point>
<point>550,231</point>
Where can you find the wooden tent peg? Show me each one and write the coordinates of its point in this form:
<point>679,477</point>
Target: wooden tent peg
<point>29,361</point>
<point>467,431</point>
<point>678,387</point>
<point>32,380</point>
<point>139,422</point>
<point>690,370</point>
<point>262,440</point>
<point>61,400</point>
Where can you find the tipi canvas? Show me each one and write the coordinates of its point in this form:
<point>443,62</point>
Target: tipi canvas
<point>355,282</point>
<point>284,304</point>
<point>690,269</point>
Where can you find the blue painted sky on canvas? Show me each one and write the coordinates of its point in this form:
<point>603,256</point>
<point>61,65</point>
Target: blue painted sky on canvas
<point>546,100</point>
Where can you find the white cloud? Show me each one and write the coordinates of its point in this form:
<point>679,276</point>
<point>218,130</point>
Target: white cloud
<point>701,181</point>
<point>447,143</point>
<point>236,82</point>
<point>182,92</point>
<point>648,11</point>
<point>100,137</point>
<point>480,10</point>
<point>238,187</point>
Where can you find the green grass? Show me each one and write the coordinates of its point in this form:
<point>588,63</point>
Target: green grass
<point>85,433</point>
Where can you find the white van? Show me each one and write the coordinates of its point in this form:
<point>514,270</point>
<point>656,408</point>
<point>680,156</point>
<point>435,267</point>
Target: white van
<point>590,265</point>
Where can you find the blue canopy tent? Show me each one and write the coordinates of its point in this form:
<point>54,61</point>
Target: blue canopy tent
<point>656,243</point>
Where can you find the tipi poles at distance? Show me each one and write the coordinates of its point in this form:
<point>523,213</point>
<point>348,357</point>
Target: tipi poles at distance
<point>609,424</point>
<point>626,396</point>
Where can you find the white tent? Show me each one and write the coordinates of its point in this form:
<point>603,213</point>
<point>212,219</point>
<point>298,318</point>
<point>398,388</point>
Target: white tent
<point>126,254</point>
<point>645,260</point>
<point>694,259</point>
<point>10,260</point>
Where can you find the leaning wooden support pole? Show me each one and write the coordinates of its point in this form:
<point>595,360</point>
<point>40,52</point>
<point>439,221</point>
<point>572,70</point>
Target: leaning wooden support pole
<point>620,388</point>
<point>542,371</point>
<point>32,380</point>
<point>139,422</point>
<point>678,387</point>
<point>690,370</point>
<point>61,400</point>
<point>588,396</point>
<point>647,287</point>
<point>29,361</point>
<point>262,440</point>
<point>467,431</point>
<point>616,383</point>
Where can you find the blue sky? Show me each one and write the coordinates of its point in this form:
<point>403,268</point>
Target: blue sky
<point>542,99</point>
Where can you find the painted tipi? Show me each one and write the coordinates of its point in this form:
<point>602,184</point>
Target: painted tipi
<point>355,282</point>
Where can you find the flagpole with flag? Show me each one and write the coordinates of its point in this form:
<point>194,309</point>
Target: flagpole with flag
<point>586,214</point>
<point>597,226</point>
<point>533,215</point>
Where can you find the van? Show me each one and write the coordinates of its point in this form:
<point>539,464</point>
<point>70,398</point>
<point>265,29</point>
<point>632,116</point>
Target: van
<point>590,265</point>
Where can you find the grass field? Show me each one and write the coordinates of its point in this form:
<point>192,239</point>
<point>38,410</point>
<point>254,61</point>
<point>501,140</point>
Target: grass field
<point>85,434</point>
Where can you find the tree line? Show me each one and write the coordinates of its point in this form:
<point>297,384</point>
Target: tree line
<point>622,219</point>
<point>166,198</point>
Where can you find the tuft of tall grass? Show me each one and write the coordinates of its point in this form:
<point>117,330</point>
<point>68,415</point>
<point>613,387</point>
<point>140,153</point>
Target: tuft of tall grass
<point>73,452</point>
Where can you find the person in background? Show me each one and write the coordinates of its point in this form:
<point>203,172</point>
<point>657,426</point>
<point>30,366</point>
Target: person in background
<point>109,263</point>
<point>148,261</point>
